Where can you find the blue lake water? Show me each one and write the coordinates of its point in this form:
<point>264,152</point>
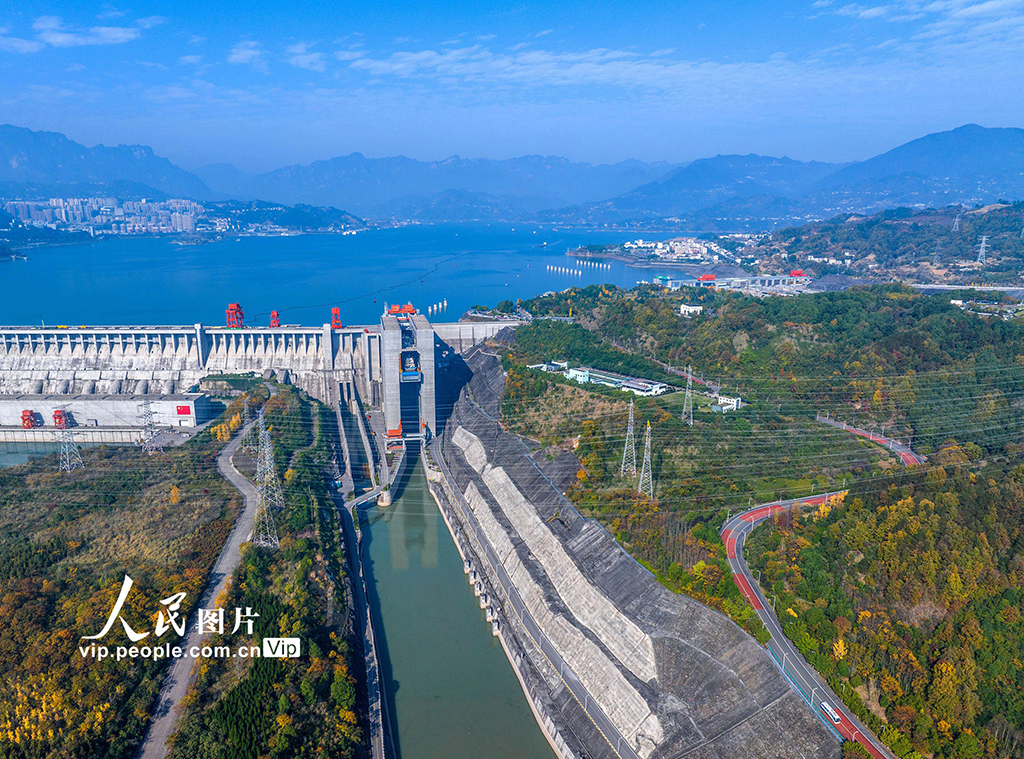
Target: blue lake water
<point>153,281</point>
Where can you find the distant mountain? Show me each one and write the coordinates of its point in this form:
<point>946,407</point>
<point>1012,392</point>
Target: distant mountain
<point>300,216</point>
<point>465,205</point>
<point>371,186</point>
<point>971,164</point>
<point>124,189</point>
<point>225,179</point>
<point>49,158</point>
<point>702,184</point>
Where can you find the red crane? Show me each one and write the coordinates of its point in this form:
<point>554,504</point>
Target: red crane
<point>60,419</point>
<point>275,319</point>
<point>336,318</point>
<point>28,419</point>
<point>236,316</point>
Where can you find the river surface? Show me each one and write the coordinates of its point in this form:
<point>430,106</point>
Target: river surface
<point>452,691</point>
<point>12,454</point>
<point>124,281</point>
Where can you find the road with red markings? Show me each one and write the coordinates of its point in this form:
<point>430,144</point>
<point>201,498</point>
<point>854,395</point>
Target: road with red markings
<point>907,456</point>
<point>807,682</point>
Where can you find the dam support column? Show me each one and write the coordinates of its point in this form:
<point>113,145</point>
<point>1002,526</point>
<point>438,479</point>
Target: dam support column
<point>425,346</point>
<point>391,366</point>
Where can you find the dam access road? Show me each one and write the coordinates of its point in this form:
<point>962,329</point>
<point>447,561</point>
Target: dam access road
<point>808,683</point>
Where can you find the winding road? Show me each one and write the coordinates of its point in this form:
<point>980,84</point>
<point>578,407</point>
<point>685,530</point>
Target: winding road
<point>808,683</point>
<point>178,679</point>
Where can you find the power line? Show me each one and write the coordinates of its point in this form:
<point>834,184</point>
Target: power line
<point>70,456</point>
<point>148,441</point>
<point>268,490</point>
<point>646,480</point>
<point>629,452</point>
<point>688,401</point>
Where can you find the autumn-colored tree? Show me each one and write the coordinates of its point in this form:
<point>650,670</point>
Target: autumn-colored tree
<point>175,495</point>
<point>839,649</point>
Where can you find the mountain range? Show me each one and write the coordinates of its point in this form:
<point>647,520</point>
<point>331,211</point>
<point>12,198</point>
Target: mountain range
<point>970,165</point>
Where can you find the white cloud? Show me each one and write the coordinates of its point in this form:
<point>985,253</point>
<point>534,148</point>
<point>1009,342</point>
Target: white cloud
<point>248,52</point>
<point>150,21</point>
<point>300,56</point>
<point>191,60</point>
<point>195,39</point>
<point>544,33</point>
<point>51,30</point>
<point>348,55</point>
<point>18,45</point>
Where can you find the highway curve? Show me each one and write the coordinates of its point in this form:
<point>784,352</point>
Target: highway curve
<point>807,682</point>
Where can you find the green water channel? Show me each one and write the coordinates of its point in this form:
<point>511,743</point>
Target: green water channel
<point>451,689</point>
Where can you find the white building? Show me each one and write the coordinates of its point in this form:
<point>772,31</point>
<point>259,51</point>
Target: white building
<point>725,403</point>
<point>690,311</point>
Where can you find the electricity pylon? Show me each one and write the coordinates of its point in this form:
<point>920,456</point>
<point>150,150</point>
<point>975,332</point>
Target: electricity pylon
<point>688,401</point>
<point>70,456</point>
<point>982,249</point>
<point>646,480</point>
<point>264,531</point>
<point>266,468</point>
<point>148,441</point>
<point>629,452</point>
<point>956,223</point>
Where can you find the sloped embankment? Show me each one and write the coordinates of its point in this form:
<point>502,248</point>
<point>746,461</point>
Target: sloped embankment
<point>675,678</point>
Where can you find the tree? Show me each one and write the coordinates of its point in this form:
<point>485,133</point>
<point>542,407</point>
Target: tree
<point>943,695</point>
<point>175,496</point>
<point>839,649</point>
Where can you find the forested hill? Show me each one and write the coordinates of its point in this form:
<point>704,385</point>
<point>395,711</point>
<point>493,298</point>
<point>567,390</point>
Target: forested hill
<point>883,355</point>
<point>911,596</point>
<point>919,245</point>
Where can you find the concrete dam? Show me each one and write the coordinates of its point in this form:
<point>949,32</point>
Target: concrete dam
<point>376,362</point>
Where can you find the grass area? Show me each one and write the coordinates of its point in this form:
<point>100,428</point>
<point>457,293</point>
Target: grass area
<point>67,541</point>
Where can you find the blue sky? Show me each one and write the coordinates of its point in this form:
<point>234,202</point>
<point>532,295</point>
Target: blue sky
<point>263,85</point>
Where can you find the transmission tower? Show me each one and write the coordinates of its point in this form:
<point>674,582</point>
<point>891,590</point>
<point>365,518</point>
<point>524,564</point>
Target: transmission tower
<point>629,452</point>
<point>937,255</point>
<point>264,532</point>
<point>1022,233</point>
<point>266,468</point>
<point>646,480</point>
<point>982,249</point>
<point>688,401</point>
<point>70,456</point>
<point>956,223</point>
<point>148,441</point>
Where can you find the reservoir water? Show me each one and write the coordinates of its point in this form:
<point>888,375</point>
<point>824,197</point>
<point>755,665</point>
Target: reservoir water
<point>127,281</point>
<point>451,688</point>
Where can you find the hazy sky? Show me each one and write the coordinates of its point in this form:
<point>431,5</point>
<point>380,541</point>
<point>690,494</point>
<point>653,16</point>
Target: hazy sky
<point>264,84</point>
